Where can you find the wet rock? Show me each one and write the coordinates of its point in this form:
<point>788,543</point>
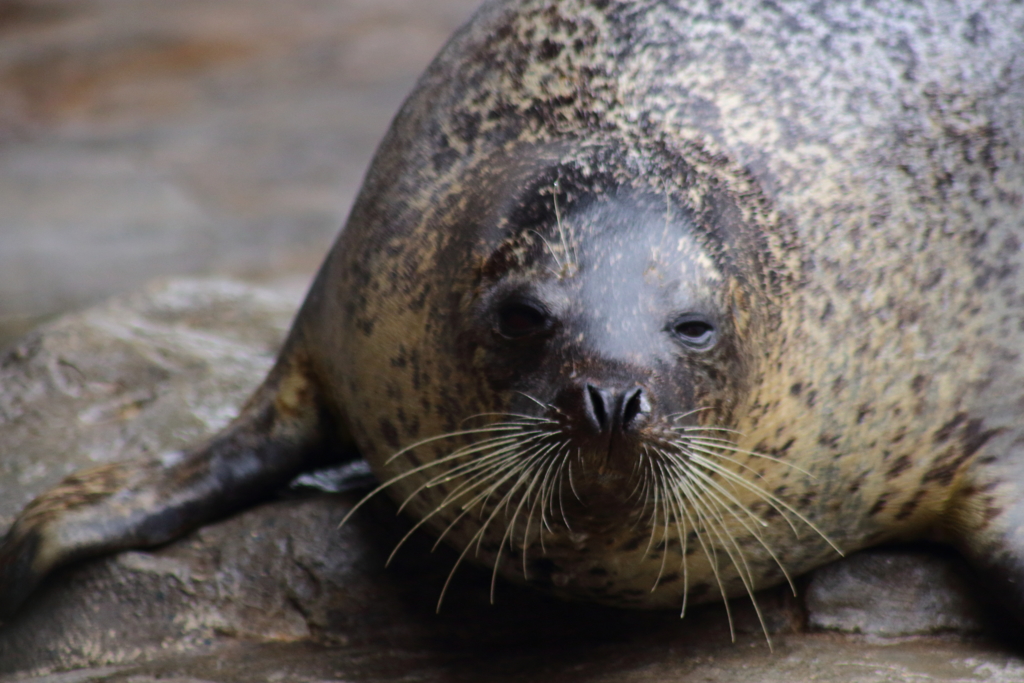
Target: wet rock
<point>143,373</point>
<point>894,592</point>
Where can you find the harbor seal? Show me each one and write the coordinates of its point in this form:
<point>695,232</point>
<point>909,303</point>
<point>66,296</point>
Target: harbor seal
<point>654,303</point>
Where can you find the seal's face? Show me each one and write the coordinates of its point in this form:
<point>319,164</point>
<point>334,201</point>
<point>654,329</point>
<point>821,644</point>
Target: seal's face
<point>592,333</point>
<point>603,329</point>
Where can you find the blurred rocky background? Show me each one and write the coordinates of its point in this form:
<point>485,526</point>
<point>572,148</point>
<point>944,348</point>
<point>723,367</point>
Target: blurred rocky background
<point>146,138</point>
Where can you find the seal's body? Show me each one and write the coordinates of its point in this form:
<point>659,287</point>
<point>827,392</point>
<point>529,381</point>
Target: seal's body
<point>647,300</point>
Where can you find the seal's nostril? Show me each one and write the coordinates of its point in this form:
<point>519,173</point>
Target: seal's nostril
<point>634,406</point>
<point>597,408</point>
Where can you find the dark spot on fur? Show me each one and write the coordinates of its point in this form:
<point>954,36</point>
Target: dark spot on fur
<point>827,313</point>
<point>632,544</point>
<point>668,578</point>
<point>901,465</point>
<point>548,50</point>
<point>388,431</point>
<point>466,126</point>
<point>972,437</point>
<point>880,504</point>
<point>700,590</point>
<point>946,430</point>
<point>907,509</point>
<point>812,397</point>
<point>445,156</point>
<point>918,383</point>
<point>796,389</point>
<point>781,450</point>
<point>829,440</point>
<point>863,411</point>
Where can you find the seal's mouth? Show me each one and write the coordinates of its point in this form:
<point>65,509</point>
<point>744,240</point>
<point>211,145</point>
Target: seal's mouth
<point>521,488</point>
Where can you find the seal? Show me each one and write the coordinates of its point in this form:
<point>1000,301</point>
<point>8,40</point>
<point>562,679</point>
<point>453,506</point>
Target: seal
<point>654,303</point>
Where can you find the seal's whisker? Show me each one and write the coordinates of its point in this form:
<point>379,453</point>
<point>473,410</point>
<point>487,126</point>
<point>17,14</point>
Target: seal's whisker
<point>437,508</point>
<point>547,407</point>
<point>551,482</point>
<point>531,419</point>
<point>484,468</point>
<point>510,527</point>
<point>477,537</point>
<point>466,508</point>
<point>680,523</point>
<point>735,479</point>
<point>572,258</point>
<point>726,445</point>
<point>675,417</point>
<point>765,496</point>
<point>694,431</point>
<point>537,457</point>
<point>463,488</point>
<point>485,474</point>
<point>554,255</point>
<point>692,446</point>
<point>499,427</point>
<point>572,485</point>
<point>397,478</point>
<point>733,550</point>
<point>522,475</point>
<point>540,498</point>
<point>692,470</point>
<point>664,537</point>
<point>562,468</point>
<point>656,490</point>
<point>517,447</point>
<point>716,490</point>
<point>701,525</point>
<point>639,480</point>
<point>516,469</point>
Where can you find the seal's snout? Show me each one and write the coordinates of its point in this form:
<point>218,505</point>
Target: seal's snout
<point>603,412</point>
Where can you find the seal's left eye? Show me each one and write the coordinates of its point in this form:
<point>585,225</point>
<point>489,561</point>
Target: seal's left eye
<point>519,319</point>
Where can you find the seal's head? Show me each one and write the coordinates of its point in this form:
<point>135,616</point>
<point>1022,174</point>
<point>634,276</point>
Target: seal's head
<point>601,328</point>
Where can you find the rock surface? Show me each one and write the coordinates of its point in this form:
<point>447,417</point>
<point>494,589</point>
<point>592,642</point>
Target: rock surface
<point>886,592</point>
<point>278,592</point>
<point>150,138</point>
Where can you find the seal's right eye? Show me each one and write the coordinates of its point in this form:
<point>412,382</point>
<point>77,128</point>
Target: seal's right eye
<point>518,319</point>
<point>694,332</point>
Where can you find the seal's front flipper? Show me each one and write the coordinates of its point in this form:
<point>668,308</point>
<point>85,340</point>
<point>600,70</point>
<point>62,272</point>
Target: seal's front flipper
<point>281,431</point>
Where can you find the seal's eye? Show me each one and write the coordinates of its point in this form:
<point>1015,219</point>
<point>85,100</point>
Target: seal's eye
<point>517,319</point>
<point>694,332</point>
